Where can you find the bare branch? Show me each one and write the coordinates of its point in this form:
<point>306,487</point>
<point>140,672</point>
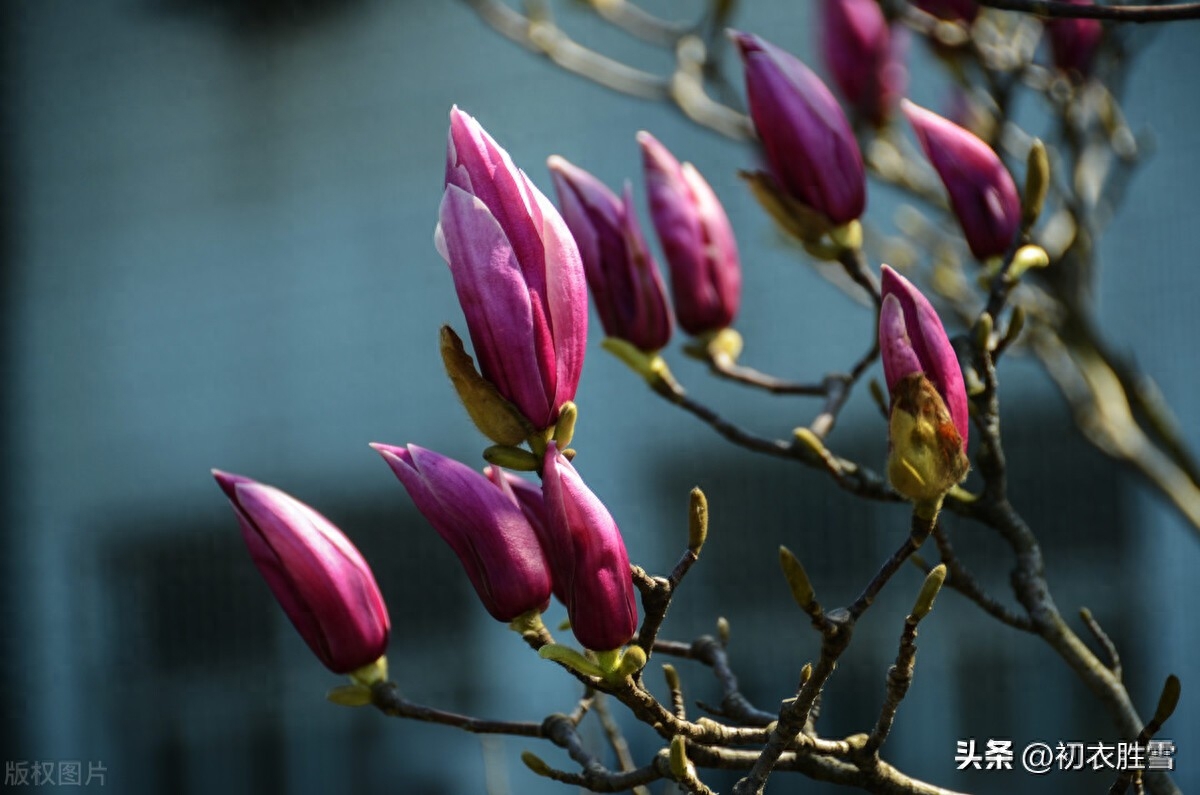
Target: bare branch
<point>616,740</point>
<point>1110,649</point>
<point>1056,9</point>
<point>386,696</point>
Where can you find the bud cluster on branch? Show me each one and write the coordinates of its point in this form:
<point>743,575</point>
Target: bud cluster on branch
<point>527,528</point>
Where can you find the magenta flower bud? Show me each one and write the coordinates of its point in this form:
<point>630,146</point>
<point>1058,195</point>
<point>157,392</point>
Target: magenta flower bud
<point>950,10</point>
<point>623,277</point>
<point>589,559</point>
<point>927,421</point>
<point>809,146</point>
<point>316,574</point>
<point>864,56</point>
<point>912,340</point>
<point>488,532</point>
<point>517,272</point>
<point>1074,42</point>
<point>697,240</point>
<point>528,497</point>
<point>982,192</point>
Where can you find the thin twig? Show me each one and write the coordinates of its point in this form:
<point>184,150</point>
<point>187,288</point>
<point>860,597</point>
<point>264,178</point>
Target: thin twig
<point>1110,648</point>
<point>922,526</point>
<point>734,706</point>
<point>594,776</point>
<point>657,593</point>
<point>616,740</point>
<point>847,474</point>
<point>545,38</point>
<point>386,696</point>
<point>1118,13</point>
<point>641,24</point>
<point>725,368</point>
<point>794,713</point>
<point>899,679</point>
<point>960,579</point>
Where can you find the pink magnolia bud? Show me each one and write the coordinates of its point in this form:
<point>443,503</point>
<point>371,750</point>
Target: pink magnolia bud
<point>951,10</point>
<point>1074,42</point>
<point>912,340</point>
<point>623,277</point>
<point>316,574</point>
<point>809,146</point>
<point>864,56</point>
<point>528,497</point>
<point>697,240</point>
<point>517,272</point>
<point>488,532</point>
<point>982,192</point>
<point>929,421</point>
<point>589,558</point>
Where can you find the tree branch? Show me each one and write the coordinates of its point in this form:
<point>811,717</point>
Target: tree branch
<point>1118,13</point>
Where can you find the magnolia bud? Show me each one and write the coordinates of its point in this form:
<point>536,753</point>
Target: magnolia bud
<point>493,539</point>
<point>864,56</point>
<point>587,554</point>
<point>697,240</point>
<point>321,581</point>
<point>982,192</point>
<point>928,424</point>
<point>1074,42</point>
<point>517,272</point>
<point>809,146</point>
<point>625,283</point>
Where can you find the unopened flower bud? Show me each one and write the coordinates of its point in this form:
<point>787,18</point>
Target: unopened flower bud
<point>517,272</point>
<point>1168,700</point>
<point>929,591</point>
<point>864,56</point>
<point>623,277</point>
<point>928,425</point>
<point>529,498</point>
<point>588,557</point>
<point>1037,183</point>
<point>982,192</point>
<point>536,764</point>
<point>797,578</point>
<point>809,146</point>
<point>677,758</point>
<point>489,533</point>
<point>697,520</point>
<point>319,578</point>
<point>697,240</point>
<point>1074,41</point>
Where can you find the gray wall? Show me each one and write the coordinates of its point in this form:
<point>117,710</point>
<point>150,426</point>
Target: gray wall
<point>221,256</point>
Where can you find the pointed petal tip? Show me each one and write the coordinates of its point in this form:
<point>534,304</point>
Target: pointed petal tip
<point>920,118</point>
<point>746,42</point>
<point>653,151</point>
<point>228,482</point>
<point>892,282</point>
<point>391,451</point>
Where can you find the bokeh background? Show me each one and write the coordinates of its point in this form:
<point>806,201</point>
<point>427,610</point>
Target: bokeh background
<point>216,251</point>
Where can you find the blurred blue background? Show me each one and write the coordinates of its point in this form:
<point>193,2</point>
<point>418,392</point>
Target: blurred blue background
<point>216,243</point>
